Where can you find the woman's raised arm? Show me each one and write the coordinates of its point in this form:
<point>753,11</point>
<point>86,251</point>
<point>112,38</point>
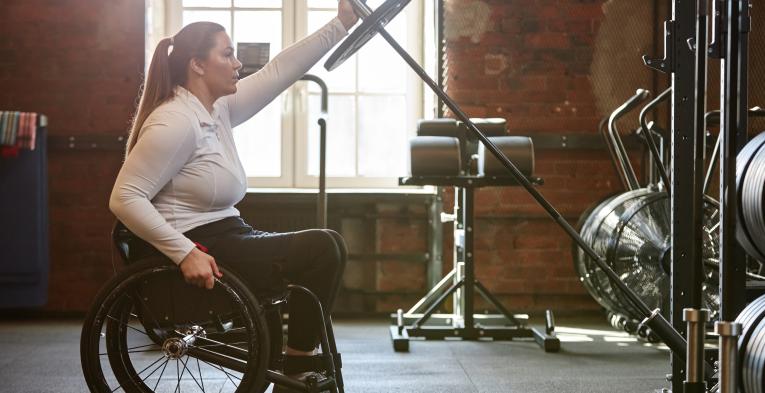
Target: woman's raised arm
<point>259,89</point>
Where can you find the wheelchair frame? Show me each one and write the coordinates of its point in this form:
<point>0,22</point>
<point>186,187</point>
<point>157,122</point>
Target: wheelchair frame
<point>223,328</point>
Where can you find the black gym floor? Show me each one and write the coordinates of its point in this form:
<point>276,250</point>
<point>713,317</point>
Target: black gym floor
<point>43,356</point>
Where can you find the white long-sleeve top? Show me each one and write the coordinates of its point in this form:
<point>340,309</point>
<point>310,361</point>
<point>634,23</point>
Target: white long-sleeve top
<point>184,170</point>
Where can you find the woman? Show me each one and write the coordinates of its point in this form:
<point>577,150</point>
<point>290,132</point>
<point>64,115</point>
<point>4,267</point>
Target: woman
<point>182,176</point>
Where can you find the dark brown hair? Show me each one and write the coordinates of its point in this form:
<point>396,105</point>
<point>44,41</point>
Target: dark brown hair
<point>168,69</point>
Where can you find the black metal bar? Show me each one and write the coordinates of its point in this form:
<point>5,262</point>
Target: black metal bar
<point>322,86</point>
<point>334,354</point>
<point>687,164</point>
<point>435,239</point>
<point>648,134</point>
<point>283,380</point>
<point>321,201</point>
<point>218,359</point>
<point>326,350</point>
<point>441,52</point>
<point>432,308</point>
<point>495,302</point>
<point>432,294</point>
<point>700,103</point>
<point>468,291</point>
<point>733,128</point>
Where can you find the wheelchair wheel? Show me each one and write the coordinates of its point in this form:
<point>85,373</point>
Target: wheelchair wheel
<point>149,331</point>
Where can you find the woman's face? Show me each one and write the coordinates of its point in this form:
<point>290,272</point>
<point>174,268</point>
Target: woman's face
<point>221,67</point>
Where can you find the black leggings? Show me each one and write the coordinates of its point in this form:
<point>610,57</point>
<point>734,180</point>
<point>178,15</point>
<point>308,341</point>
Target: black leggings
<point>267,261</point>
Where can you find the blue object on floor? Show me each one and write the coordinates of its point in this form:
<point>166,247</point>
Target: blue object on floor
<point>24,251</point>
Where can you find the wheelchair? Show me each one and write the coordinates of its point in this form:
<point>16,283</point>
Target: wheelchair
<point>150,331</point>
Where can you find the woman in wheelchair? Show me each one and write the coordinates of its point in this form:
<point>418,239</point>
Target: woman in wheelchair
<point>176,193</point>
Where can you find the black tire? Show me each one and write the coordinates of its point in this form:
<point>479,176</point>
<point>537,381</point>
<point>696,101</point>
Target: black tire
<point>109,363</point>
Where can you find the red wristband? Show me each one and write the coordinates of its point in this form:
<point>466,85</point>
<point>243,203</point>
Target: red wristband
<point>201,247</point>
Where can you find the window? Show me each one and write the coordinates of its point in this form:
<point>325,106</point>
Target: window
<point>375,99</point>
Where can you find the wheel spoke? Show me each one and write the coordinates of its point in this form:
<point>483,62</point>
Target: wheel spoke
<point>162,373</point>
<point>201,378</point>
<point>145,350</point>
<point>147,367</point>
<point>231,345</point>
<point>178,373</point>
<point>225,372</point>
<point>190,373</point>
<point>155,370</point>
<point>127,326</point>
<point>142,346</point>
<point>130,350</point>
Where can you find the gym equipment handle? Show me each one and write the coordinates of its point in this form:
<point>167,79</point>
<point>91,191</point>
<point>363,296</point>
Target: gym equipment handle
<point>648,133</point>
<point>321,202</point>
<point>621,152</point>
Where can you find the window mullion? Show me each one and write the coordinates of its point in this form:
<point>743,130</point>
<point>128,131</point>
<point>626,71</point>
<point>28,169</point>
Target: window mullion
<point>357,131</point>
<point>299,125</point>
<point>290,10</point>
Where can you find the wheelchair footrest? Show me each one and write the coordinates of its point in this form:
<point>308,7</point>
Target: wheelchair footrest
<point>318,362</point>
<point>309,382</point>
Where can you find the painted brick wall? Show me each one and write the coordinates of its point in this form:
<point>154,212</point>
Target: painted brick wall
<point>78,62</point>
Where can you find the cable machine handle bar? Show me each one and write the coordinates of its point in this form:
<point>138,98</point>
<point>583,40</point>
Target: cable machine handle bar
<point>603,129</point>
<point>621,152</point>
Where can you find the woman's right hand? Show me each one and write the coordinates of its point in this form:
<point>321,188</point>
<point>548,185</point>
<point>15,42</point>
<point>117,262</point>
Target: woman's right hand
<point>198,269</point>
<point>346,14</point>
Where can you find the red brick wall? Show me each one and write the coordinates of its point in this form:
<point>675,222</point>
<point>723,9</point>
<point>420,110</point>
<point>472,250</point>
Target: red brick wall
<point>78,62</point>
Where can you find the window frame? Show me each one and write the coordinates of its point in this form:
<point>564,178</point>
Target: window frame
<point>166,16</point>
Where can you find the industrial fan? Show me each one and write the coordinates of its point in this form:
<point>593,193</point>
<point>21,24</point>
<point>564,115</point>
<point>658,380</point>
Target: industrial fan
<point>632,231</point>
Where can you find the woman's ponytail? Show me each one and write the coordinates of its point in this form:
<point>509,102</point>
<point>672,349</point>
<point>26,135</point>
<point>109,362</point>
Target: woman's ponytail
<point>155,90</point>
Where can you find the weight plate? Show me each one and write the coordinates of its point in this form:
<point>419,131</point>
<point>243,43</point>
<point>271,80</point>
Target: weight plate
<point>752,198</point>
<point>743,160</point>
<point>749,318</point>
<point>366,31</point>
<point>753,360</point>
